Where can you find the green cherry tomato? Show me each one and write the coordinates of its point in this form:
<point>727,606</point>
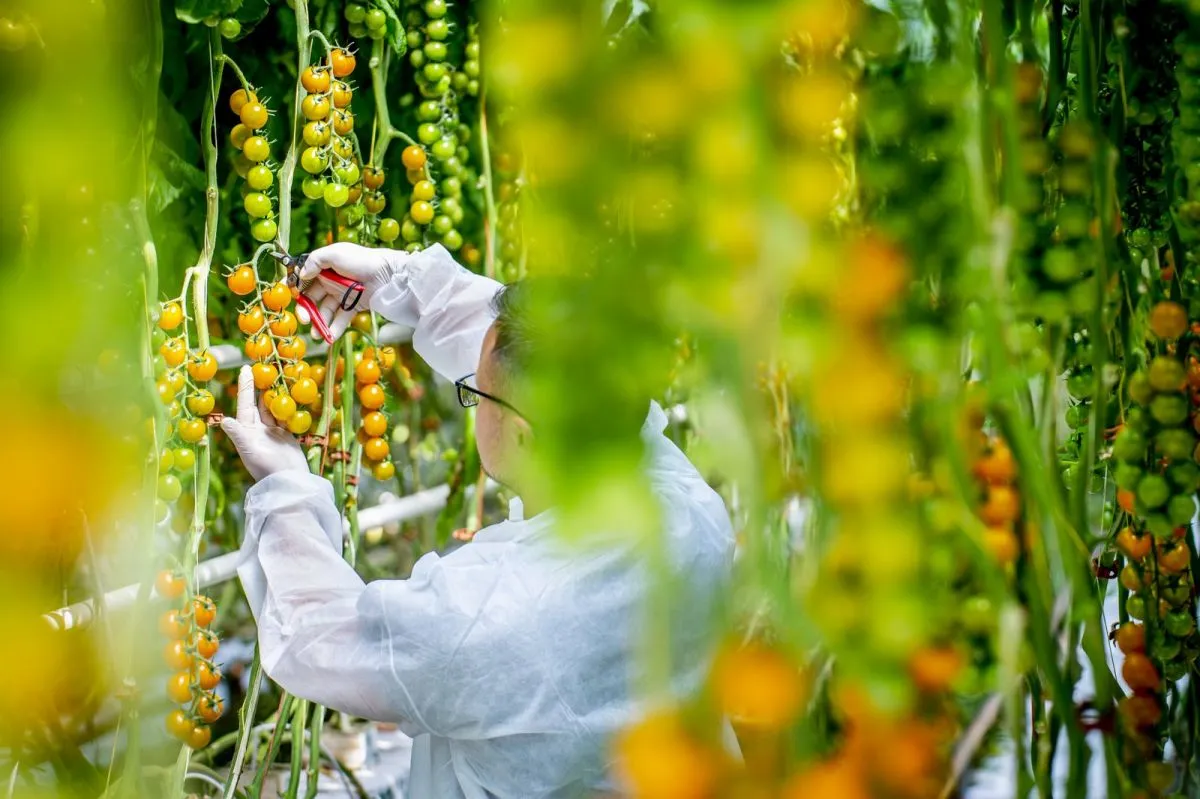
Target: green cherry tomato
<point>1153,491</point>
<point>409,230</point>
<point>1135,606</point>
<point>443,148</point>
<point>434,71</point>
<point>435,9</point>
<point>429,111</point>
<point>453,240</point>
<point>257,204</point>
<point>1169,410</point>
<point>185,459</point>
<point>459,81</point>
<point>260,178</point>
<point>169,488</point>
<point>313,187</point>
<point>428,133</point>
<point>437,29</point>
<point>471,51</point>
<point>314,160</point>
<point>230,28</point>
<point>453,209</point>
<point>389,230</point>
<point>347,173</point>
<point>264,230</point>
<point>442,224</point>
<point>1129,445</point>
<point>435,51</point>
<point>348,234</point>
<point>452,187</point>
<point>336,195</point>
<point>355,12</point>
<point>473,87</point>
<point>471,67</point>
<point>354,213</point>
<point>416,58</point>
<point>375,19</point>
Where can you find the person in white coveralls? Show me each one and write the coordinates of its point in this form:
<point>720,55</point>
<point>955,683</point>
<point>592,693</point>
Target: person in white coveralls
<point>510,660</point>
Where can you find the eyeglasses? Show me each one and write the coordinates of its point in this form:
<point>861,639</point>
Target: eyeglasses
<point>468,397</point>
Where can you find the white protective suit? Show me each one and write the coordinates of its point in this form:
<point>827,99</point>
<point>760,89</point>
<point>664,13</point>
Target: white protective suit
<point>510,660</point>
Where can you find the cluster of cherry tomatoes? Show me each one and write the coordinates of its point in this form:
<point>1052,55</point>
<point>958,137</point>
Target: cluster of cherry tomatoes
<point>181,376</point>
<point>370,366</point>
<point>253,162</point>
<point>188,654</point>
<point>291,393</point>
<point>435,207</point>
<point>1000,509</point>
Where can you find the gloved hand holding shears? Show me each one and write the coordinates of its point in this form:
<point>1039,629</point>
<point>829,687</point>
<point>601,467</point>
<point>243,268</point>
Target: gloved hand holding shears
<point>338,281</point>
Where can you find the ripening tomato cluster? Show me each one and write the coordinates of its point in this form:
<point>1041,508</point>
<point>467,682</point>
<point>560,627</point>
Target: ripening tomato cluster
<point>1156,470</point>
<point>189,650</point>
<point>437,167</point>
<point>276,351</point>
<point>370,366</point>
<point>1000,505</point>
<point>253,162</point>
<point>181,373</point>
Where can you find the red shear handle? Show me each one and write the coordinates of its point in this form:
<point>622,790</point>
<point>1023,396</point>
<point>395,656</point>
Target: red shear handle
<point>318,321</point>
<point>354,289</point>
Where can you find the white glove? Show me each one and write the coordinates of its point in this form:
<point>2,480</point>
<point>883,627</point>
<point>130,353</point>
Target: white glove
<point>265,446</point>
<point>373,267</point>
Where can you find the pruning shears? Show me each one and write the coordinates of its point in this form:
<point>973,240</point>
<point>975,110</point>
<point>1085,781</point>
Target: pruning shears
<point>293,264</point>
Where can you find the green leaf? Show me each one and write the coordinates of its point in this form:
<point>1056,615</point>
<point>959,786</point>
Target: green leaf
<point>395,29</point>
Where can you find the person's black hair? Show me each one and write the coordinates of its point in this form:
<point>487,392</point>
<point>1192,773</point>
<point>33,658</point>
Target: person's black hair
<point>514,330</point>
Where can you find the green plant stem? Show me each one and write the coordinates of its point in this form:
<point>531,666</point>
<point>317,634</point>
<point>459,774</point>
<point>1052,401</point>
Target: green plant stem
<point>299,719</point>
<point>489,191</point>
<point>286,703</point>
<point>245,725</point>
<point>314,752</point>
<point>288,172</point>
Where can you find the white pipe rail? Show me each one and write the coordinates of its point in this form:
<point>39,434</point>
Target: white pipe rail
<point>224,567</point>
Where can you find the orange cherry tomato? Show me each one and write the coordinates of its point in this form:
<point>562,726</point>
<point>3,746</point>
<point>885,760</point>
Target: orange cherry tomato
<point>1139,672</point>
<point>210,707</point>
<point>1175,559</point>
<point>206,643</point>
<point>1133,545</point>
<point>170,584</point>
<point>291,348</point>
<point>251,320</point>
<point>413,157</point>
<point>208,676</point>
<point>285,324</point>
<point>277,297</point>
<point>375,449</point>
<point>367,371</point>
<point>178,724</point>
<point>199,736</point>
<point>204,610</point>
<point>315,79</point>
<point>1131,637</point>
<point>241,280</point>
<point>371,396</point>
<point>998,466</point>
<point>1125,499</point>
<point>179,687</point>
<point>1002,506</point>
<point>172,625</point>
<point>265,375</point>
<point>177,656</point>
<point>202,367</point>
<point>374,423</point>
<point>342,61</point>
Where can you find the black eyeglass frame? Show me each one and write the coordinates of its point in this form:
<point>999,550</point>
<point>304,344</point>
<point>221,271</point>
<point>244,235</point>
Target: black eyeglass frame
<point>468,396</point>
